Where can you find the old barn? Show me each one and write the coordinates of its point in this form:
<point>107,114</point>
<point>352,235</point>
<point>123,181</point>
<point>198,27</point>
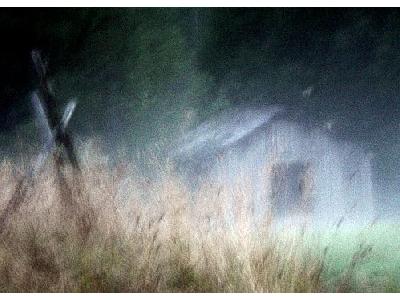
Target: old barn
<point>288,169</point>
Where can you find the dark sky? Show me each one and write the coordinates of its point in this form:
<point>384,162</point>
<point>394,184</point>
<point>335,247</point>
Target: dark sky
<point>350,58</point>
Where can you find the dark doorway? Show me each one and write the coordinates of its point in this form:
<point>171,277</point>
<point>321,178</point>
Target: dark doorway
<point>291,187</point>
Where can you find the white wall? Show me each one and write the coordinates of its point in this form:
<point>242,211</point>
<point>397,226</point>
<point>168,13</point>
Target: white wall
<point>239,149</point>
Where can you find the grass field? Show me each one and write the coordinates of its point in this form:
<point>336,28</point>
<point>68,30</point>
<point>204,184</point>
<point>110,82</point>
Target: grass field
<point>122,232</point>
<point>370,256</point>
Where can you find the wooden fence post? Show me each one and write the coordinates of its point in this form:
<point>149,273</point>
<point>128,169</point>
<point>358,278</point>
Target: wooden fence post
<point>55,136</point>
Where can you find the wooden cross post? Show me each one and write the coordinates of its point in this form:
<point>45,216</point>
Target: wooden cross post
<point>60,135</point>
<point>53,130</point>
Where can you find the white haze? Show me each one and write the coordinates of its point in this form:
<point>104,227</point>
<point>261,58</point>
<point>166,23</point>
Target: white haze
<point>246,146</point>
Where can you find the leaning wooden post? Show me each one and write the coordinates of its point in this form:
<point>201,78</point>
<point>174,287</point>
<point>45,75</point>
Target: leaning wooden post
<point>62,139</point>
<point>61,136</point>
<point>54,134</point>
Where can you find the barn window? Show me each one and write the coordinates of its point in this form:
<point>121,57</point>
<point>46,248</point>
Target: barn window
<point>291,188</point>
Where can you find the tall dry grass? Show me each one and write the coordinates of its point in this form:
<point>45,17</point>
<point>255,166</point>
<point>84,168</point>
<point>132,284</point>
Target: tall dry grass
<point>146,235</point>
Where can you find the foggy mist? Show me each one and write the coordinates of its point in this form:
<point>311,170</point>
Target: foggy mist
<point>199,150</point>
<point>206,89</point>
<point>284,167</point>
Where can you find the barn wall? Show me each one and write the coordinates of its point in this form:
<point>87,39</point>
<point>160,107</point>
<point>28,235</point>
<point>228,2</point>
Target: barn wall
<point>340,173</point>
